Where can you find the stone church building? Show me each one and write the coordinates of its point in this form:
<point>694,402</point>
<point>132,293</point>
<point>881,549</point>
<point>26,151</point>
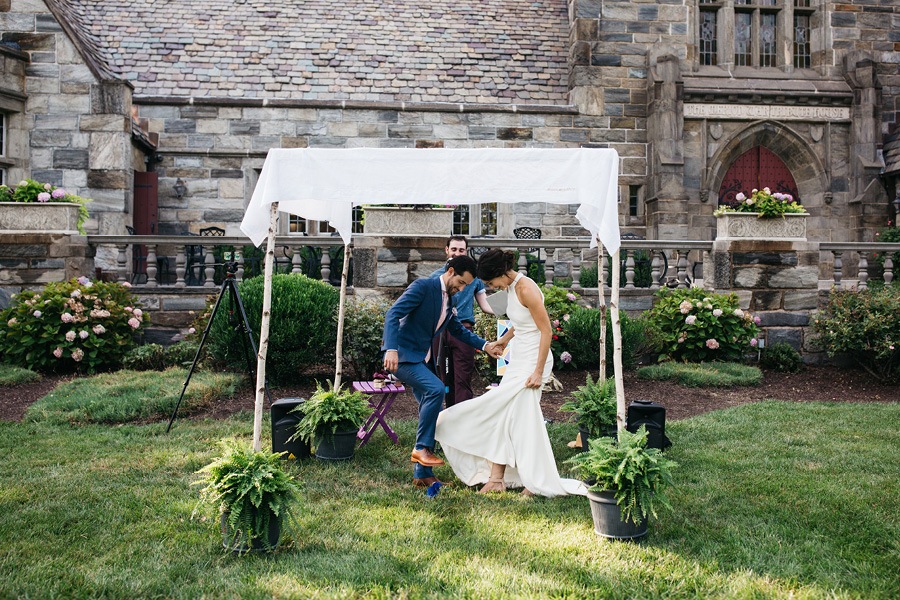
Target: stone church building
<point>162,112</point>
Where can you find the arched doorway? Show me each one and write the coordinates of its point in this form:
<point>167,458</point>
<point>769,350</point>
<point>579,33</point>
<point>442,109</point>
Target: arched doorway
<point>756,168</point>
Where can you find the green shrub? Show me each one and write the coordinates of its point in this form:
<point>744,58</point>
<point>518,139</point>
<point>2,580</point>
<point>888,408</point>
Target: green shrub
<point>696,325</point>
<point>75,325</point>
<point>781,357</point>
<point>587,278</point>
<point>715,374</point>
<point>582,339</point>
<point>149,357</point>
<point>10,375</point>
<point>864,324</point>
<point>594,405</point>
<point>302,329</point>
<point>331,410</point>
<point>486,327</point>
<point>892,235</point>
<point>363,330</point>
<point>182,354</point>
<point>560,303</point>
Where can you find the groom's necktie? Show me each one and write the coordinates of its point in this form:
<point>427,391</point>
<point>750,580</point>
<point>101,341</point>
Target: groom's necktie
<point>444,301</point>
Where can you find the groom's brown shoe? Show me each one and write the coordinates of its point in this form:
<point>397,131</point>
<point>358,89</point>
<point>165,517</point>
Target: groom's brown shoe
<point>426,458</point>
<point>426,482</point>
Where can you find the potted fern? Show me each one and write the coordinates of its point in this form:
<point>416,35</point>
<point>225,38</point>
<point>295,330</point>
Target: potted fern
<point>252,494</point>
<point>331,420</point>
<point>626,483</point>
<point>594,405</point>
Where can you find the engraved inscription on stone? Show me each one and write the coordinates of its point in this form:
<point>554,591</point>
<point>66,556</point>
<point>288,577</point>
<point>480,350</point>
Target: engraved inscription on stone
<point>780,113</point>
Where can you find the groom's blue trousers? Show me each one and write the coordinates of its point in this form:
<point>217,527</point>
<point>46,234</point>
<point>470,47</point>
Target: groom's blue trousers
<point>429,393</point>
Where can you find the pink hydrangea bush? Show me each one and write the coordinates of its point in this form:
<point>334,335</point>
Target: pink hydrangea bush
<point>76,325</point>
<point>697,325</point>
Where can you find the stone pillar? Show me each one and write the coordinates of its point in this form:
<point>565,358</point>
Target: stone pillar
<point>868,197</point>
<point>667,210</point>
<point>777,280</point>
<point>585,74</point>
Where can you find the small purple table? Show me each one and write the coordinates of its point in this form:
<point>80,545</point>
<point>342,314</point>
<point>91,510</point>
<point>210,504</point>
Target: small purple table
<point>387,394</point>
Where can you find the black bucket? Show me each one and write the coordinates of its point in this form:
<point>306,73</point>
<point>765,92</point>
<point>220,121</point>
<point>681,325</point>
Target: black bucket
<point>339,446</point>
<point>608,520</point>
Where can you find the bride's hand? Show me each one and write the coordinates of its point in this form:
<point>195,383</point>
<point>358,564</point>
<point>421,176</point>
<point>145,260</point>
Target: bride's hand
<point>535,380</point>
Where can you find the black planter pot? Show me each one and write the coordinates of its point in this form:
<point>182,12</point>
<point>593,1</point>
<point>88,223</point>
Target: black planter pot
<point>608,520</point>
<point>585,434</point>
<point>339,446</point>
<point>236,542</point>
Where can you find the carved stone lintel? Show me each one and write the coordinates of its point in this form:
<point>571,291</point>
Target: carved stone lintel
<point>732,226</point>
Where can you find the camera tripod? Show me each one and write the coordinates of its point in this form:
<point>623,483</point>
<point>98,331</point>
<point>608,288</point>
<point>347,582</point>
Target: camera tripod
<point>229,287</point>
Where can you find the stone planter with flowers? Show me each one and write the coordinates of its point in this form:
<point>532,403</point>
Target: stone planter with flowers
<point>762,216</point>
<point>31,206</point>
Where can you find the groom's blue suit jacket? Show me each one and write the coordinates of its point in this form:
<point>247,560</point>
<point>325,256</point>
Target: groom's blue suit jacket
<point>410,324</point>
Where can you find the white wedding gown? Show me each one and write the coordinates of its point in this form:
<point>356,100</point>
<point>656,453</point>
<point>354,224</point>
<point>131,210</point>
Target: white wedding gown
<point>505,425</point>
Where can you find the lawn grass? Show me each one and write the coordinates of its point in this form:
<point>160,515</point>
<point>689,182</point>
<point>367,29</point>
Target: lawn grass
<point>771,500</point>
<point>124,396</point>
<point>10,375</point>
<point>711,374</point>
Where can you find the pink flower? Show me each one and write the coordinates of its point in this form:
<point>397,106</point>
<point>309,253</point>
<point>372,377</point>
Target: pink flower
<point>740,197</point>
<point>58,353</point>
<point>685,307</point>
<point>192,330</point>
<point>717,312</point>
<point>570,297</point>
<point>566,318</point>
<point>138,312</point>
<point>712,344</point>
<point>83,280</point>
<point>128,309</point>
<point>11,322</point>
<point>77,354</point>
<point>76,294</point>
<point>690,320</point>
<point>556,322</point>
<point>126,284</point>
<point>37,314</point>
<point>48,187</point>
<point>757,320</point>
<point>43,197</point>
<point>84,334</point>
<point>70,336</point>
<point>134,323</point>
<point>754,342</point>
<point>738,312</point>
<point>58,193</point>
<point>565,357</point>
<point>99,329</point>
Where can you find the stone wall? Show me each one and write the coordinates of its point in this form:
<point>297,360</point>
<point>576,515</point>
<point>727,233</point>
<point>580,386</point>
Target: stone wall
<point>29,260</point>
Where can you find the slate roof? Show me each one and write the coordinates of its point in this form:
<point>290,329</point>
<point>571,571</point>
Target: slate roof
<point>478,51</point>
<point>891,153</point>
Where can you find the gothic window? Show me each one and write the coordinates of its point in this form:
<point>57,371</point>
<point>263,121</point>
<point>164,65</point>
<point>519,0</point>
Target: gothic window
<point>757,168</point>
<point>465,223</point>
<point>755,33</point>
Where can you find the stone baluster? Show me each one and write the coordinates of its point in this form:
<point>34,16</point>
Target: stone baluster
<point>681,269</point>
<point>151,266</point>
<point>326,264</point>
<point>655,266</point>
<point>550,266</point>
<point>863,270</point>
<point>888,268</point>
<point>179,268</point>
<point>576,268</point>
<point>239,272</point>
<point>122,262</point>
<point>629,269</point>
<point>707,283</point>
<point>838,266</point>
<point>523,262</point>
<point>604,276</point>
<point>296,261</point>
<point>209,271</point>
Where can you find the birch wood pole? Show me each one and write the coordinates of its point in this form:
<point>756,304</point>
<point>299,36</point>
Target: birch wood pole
<point>339,350</point>
<point>617,342</point>
<point>601,306</point>
<point>264,329</point>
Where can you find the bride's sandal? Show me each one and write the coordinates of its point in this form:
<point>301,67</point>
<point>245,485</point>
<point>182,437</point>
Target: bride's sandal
<point>493,485</point>
<point>527,493</point>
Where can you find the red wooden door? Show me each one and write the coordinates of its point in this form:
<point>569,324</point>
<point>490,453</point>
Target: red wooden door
<point>757,168</point>
<point>146,203</point>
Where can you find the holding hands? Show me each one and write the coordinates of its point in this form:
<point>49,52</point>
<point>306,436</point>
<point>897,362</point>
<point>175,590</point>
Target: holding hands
<point>495,349</point>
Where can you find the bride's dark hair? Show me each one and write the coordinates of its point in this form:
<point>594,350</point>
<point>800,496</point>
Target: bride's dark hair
<point>495,263</point>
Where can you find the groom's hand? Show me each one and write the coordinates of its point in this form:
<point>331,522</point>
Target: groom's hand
<point>494,349</point>
<point>390,361</point>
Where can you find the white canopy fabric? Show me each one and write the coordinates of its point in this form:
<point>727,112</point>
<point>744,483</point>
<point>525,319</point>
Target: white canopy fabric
<point>324,184</point>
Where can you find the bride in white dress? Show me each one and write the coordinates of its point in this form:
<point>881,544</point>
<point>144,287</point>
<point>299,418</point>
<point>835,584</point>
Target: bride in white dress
<point>500,438</point>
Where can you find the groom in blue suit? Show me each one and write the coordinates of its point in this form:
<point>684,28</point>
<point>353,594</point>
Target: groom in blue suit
<point>410,325</point>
